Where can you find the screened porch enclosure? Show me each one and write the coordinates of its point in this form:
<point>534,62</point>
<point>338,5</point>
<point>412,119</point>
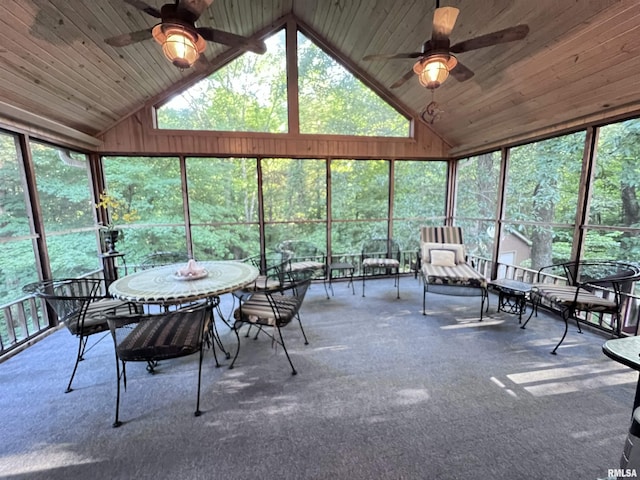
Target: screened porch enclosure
<point>229,168</point>
<point>520,209</point>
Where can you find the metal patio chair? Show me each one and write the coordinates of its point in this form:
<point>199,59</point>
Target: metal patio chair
<point>150,338</point>
<point>305,255</point>
<point>274,308</point>
<point>381,255</point>
<point>80,304</point>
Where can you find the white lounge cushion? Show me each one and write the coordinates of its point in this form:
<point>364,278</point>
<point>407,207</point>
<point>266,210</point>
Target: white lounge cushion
<point>443,258</point>
<point>457,248</point>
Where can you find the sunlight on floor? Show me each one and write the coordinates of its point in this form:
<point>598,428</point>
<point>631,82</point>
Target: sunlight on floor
<point>48,457</point>
<point>565,372</point>
<point>508,391</point>
<point>567,379</point>
<point>472,323</point>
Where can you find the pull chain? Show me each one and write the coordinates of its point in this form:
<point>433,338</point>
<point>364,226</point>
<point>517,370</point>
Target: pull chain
<point>432,111</point>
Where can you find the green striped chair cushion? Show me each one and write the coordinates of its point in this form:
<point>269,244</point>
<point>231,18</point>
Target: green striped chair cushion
<point>441,234</point>
<point>258,310</point>
<point>462,274</point>
<point>565,295</point>
<point>381,262</point>
<point>262,282</point>
<point>95,320</point>
<point>306,265</point>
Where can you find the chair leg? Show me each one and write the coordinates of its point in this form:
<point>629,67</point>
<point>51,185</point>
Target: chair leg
<point>331,282</point>
<point>534,308</point>
<point>216,339</point>
<point>197,413</point>
<point>284,347</point>
<point>306,342</point>
<point>237,349</point>
<point>117,422</point>
<point>213,340</point>
<point>255,337</point>
<point>82,343</point>
<point>565,316</point>
<point>246,335</point>
<point>363,275</point>
<point>424,299</point>
<point>353,290</point>
<point>398,283</point>
<point>324,282</point>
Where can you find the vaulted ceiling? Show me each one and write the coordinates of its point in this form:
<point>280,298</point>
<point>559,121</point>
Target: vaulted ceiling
<point>580,63</point>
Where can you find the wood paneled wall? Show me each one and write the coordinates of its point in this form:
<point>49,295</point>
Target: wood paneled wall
<point>137,136</point>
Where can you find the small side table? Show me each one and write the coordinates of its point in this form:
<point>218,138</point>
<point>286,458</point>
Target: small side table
<point>342,267</point>
<point>512,296</point>
<point>110,266</point>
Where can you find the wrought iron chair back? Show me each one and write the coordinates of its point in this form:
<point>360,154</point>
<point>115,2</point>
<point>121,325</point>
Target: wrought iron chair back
<point>274,308</point>
<point>305,255</point>
<point>381,254</point>
<point>79,303</point>
<point>159,259</point>
<point>150,338</point>
<point>595,286</point>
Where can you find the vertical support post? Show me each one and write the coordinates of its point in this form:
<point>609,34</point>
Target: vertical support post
<point>185,204</point>
<point>584,193</point>
<point>500,207</point>
<point>292,76</point>
<point>452,184</point>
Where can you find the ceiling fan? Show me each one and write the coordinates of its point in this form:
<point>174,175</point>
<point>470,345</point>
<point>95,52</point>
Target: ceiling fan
<point>436,62</point>
<point>182,42</point>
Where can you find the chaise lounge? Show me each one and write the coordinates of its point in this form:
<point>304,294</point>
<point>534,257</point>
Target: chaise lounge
<point>444,269</point>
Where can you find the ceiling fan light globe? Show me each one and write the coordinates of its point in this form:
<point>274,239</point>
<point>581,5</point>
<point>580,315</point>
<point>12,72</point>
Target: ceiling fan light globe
<point>181,46</point>
<point>434,70</point>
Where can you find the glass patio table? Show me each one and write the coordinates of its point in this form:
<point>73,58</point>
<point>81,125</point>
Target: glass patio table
<point>163,286</point>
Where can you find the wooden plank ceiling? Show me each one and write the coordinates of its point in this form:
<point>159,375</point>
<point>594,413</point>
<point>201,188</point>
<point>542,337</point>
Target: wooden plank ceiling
<point>579,64</point>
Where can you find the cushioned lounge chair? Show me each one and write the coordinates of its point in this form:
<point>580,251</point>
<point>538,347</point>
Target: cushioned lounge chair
<point>444,268</point>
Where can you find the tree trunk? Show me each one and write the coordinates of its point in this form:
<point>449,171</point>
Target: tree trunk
<point>542,235</point>
<point>630,207</point>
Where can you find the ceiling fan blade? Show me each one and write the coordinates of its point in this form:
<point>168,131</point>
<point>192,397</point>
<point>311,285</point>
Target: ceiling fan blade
<point>389,56</point>
<point>196,7</point>
<point>461,73</point>
<point>444,19</point>
<point>146,8</point>
<point>232,40</point>
<point>129,38</point>
<point>510,34</point>
<point>401,81</point>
